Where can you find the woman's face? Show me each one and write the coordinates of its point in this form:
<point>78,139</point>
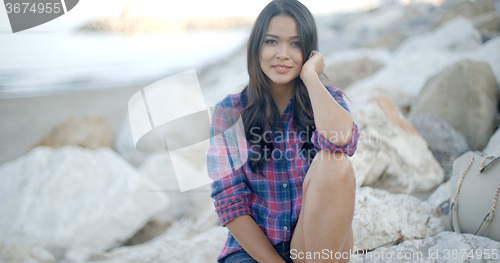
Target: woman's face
<point>280,56</point>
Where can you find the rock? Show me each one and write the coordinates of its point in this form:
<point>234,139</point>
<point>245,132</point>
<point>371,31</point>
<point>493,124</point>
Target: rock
<point>442,193</point>
<point>198,237</point>
<point>402,77</point>
<point>124,145</point>
<point>465,95</point>
<point>445,142</point>
<point>443,247</point>
<point>391,154</point>
<point>452,9</point>
<point>456,35</point>
<point>175,247</point>
<point>490,53</point>
<point>345,73</point>
<point>493,146</point>
<point>88,132</point>
<point>71,197</point>
<point>159,170</point>
<point>390,40</point>
<point>78,254</point>
<point>22,253</point>
<point>488,24</point>
<point>385,219</point>
<point>441,200</point>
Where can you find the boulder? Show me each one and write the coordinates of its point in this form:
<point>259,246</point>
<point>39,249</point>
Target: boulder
<point>124,145</point>
<point>465,95</point>
<point>71,197</point>
<point>441,194</point>
<point>88,132</point>
<point>443,140</point>
<point>21,253</point>
<point>391,153</point>
<point>158,168</point>
<point>440,198</point>
<point>456,35</point>
<point>489,53</point>
<point>384,219</point>
<point>451,9</point>
<point>488,24</point>
<point>344,73</point>
<point>198,237</point>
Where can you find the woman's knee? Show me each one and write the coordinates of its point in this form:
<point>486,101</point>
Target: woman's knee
<point>334,167</point>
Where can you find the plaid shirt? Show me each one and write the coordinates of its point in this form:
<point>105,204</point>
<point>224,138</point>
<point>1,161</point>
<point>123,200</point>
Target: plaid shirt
<point>274,202</point>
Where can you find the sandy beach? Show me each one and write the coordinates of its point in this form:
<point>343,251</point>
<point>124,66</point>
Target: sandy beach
<point>26,120</point>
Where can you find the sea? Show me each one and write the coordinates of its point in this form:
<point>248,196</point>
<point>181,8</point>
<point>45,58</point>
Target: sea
<point>41,63</point>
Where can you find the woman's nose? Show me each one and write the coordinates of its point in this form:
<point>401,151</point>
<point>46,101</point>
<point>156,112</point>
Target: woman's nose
<point>282,52</point>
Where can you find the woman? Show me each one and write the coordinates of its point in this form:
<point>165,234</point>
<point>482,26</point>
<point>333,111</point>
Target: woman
<point>291,198</point>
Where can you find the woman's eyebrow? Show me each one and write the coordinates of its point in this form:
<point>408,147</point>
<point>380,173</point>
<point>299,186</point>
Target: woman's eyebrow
<point>275,36</point>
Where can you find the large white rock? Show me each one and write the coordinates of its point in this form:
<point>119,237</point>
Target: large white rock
<point>490,53</point>
<point>382,218</point>
<point>22,253</point>
<point>391,154</point>
<point>406,73</point>
<point>402,77</point>
<point>70,197</point>
<point>456,35</point>
<point>198,237</point>
<point>345,67</point>
<point>159,169</point>
<point>124,145</point>
<point>443,247</point>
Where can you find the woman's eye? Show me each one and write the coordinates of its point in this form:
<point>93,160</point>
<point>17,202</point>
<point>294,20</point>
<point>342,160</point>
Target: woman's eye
<point>296,43</point>
<point>270,41</point>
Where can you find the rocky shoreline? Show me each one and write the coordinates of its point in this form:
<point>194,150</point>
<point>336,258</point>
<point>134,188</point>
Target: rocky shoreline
<point>420,100</point>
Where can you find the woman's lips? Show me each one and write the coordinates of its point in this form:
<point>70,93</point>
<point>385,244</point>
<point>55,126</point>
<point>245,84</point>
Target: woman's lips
<point>281,70</point>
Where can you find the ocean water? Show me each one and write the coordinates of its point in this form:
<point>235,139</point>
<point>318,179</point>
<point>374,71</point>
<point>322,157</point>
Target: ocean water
<point>37,63</point>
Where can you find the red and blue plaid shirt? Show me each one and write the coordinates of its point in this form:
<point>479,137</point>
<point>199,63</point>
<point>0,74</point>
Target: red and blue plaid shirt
<point>273,201</point>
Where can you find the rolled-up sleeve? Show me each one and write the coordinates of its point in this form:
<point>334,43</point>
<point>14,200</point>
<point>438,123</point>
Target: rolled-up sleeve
<point>320,141</point>
<point>230,190</point>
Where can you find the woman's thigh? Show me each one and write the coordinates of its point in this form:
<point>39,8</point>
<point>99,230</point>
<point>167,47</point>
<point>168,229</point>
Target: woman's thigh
<point>242,256</point>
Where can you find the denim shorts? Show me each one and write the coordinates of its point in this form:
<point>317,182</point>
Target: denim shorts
<point>242,256</point>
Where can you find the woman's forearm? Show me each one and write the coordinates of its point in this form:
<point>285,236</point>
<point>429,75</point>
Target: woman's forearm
<point>252,239</point>
<point>331,119</point>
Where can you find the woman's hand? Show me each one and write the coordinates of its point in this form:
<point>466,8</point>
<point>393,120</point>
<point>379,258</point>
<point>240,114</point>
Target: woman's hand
<point>313,67</point>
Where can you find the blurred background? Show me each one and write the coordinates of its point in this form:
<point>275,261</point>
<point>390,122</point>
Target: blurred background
<point>422,75</point>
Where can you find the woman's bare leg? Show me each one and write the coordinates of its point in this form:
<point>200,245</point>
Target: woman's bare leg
<point>327,208</point>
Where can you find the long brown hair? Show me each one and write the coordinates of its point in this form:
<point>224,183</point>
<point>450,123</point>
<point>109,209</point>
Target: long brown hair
<point>261,111</point>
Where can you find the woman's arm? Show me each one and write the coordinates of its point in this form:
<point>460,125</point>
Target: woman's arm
<point>253,240</point>
<point>332,120</point>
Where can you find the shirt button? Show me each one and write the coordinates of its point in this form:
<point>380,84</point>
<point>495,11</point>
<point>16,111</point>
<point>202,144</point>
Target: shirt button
<point>286,228</point>
<point>284,185</point>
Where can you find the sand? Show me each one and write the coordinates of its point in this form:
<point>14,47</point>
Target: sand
<point>26,120</point>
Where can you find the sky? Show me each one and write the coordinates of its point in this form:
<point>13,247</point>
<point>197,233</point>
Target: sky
<point>88,9</point>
